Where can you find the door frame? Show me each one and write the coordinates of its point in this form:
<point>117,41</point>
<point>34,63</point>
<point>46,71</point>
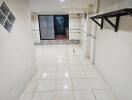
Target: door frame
<point>54,29</point>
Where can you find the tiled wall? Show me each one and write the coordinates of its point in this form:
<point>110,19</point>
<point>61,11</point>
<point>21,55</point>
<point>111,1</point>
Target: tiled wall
<point>74,27</point>
<point>84,37</point>
<point>35,28</point>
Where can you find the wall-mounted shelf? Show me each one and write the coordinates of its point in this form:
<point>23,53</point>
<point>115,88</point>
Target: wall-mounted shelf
<point>117,14</point>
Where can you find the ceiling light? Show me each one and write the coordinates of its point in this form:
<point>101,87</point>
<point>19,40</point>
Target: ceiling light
<point>62,0</point>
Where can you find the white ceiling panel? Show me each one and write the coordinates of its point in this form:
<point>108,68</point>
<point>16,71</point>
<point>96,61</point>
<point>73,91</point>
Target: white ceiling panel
<point>56,6</point>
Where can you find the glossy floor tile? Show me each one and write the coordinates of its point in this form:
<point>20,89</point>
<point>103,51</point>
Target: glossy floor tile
<point>65,75</point>
<point>84,95</point>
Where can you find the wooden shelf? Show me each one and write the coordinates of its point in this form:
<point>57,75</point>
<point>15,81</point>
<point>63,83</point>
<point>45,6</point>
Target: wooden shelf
<point>117,14</point>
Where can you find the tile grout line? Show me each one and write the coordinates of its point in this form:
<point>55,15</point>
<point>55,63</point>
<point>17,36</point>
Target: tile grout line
<point>106,83</point>
<point>55,82</point>
<point>89,83</point>
<point>72,85</point>
<point>71,78</point>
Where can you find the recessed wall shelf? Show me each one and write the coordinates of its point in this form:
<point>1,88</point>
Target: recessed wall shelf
<point>117,14</point>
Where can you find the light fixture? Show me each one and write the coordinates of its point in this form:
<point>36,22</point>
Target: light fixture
<point>62,0</point>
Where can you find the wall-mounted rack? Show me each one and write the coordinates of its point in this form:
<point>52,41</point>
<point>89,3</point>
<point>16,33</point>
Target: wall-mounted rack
<point>106,16</point>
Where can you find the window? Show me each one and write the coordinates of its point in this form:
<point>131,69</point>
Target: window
<point>7,19</point>
<point>11,18</point>
<point>2,18</point>
<point>8,26</point>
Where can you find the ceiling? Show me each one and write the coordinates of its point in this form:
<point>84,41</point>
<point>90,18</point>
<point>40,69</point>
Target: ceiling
<point>56,6</point>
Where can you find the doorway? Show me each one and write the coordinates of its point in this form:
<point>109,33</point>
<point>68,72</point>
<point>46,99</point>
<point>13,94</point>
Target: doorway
<point>61,27</point>
<point>54,27</point>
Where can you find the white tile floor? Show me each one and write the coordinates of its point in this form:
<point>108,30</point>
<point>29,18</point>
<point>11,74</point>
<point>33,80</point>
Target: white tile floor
<point>65,75</point>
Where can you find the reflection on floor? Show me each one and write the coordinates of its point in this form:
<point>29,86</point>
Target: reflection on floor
<point>65,75</point>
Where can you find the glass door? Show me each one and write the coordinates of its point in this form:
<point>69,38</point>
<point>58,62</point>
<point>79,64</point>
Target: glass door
<point>46,25</point>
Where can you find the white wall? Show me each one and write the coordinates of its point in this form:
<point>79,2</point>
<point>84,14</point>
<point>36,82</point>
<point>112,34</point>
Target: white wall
<point>17,58</point>
<point>74,27</point>
<point>113,55</point>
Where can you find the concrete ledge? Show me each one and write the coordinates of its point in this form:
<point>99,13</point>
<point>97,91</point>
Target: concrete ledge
<point>58,42</point>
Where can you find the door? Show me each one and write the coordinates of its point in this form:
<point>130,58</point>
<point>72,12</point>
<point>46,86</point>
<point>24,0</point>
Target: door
<point>59,24</point>
<point>46,27</point>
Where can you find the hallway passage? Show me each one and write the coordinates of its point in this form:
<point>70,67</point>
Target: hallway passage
<point>64,74</point>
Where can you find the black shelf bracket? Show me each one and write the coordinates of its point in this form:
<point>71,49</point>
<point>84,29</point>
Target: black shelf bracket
<point>102,22</point>
<point>96,22</point>
<point>116,25</point>
<point>117,14</point>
